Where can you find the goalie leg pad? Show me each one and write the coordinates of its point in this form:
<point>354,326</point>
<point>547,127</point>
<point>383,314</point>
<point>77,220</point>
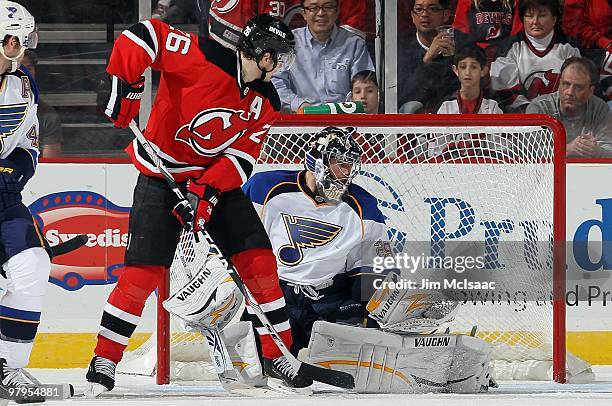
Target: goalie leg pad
<point>209,300</point>
<point>383,362</point>
<point>471,369</point>
<point>239,339</point>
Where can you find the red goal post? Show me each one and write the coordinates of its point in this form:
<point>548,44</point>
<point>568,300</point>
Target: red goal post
<point>285,143</point>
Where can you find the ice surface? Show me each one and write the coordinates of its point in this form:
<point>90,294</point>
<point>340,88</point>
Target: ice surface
<point>136,390</point>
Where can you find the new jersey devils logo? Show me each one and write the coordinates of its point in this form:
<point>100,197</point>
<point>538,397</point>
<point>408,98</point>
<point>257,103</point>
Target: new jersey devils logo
<point>493,32</point>
<point>224,6</point>
<point>213,130</point>
<point>539,83</point>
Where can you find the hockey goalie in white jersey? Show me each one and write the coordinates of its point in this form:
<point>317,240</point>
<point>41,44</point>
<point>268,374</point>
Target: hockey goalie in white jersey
<point>325,231</point>
<point>322,228</point>
<point>25,262</point>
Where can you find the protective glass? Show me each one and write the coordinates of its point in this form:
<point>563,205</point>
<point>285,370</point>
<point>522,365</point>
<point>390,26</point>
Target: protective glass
<point>286,59</point>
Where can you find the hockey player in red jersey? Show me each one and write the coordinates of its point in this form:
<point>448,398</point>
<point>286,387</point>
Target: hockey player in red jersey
<point>212,111</point>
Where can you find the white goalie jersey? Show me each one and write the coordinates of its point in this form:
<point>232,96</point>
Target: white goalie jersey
<point>18,107</point>
<point>314,240</point>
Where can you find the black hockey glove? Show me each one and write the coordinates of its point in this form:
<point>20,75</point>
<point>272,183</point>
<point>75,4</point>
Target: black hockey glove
<point>124,101</point>
<point>12,179</point>
<point>195,210</point>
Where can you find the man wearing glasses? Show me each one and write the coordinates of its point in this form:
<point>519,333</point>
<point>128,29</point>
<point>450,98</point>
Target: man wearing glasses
<point>425,77</point>
<point>327,57</point>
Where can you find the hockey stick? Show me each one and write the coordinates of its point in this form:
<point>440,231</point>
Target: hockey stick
<point>69,246</point>
<point>320,374</point>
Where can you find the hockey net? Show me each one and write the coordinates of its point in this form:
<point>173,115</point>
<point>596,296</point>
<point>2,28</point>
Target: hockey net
<point>497,181</point>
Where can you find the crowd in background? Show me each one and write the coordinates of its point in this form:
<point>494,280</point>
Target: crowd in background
<point>454,56</point>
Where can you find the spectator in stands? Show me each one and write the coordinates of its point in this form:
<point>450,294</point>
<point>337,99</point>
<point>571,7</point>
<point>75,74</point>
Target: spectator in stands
<point>530,63</point>
<point>424,62</point>
<point>470,66</point>
<point>590,21</point>
<point>49,123</point>
<point>327,57</point>
<point>488,22</point>
<point>586,118</point>
<point>364,88</point>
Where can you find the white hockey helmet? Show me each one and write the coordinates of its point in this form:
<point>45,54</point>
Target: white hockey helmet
<point>16,20</point>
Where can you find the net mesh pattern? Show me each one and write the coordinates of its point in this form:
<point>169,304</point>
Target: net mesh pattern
<point>437,185</point>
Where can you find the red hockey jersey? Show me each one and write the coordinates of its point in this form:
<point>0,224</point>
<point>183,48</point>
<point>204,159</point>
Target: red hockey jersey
<point>205,120</point>
<point>590,21</point>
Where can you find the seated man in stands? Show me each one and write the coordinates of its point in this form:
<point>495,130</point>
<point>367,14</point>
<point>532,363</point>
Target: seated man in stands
<point>591,22</point>
<point>424,61</point>
<point>327,58</point>
<point>586,118</point>
<point>529,64</point>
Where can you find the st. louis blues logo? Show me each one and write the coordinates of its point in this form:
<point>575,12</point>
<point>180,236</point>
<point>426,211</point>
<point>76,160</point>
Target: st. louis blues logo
<point>11,117</point>
<point>304,233</point>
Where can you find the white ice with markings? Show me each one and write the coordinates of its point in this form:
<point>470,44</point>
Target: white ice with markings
<point>137,390</point>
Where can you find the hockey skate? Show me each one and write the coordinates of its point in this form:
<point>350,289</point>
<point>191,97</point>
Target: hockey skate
<point>15,385</point>
<point>100,376</point>
<point>282,376</point>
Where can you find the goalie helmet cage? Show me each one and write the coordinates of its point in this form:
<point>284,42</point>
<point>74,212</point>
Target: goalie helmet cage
<point>472,158</point>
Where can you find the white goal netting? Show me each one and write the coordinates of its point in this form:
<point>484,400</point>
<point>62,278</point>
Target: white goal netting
<point>448,192</point>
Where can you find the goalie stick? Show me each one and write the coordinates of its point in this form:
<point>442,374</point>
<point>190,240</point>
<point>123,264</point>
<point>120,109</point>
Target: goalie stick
<point>316,373</point>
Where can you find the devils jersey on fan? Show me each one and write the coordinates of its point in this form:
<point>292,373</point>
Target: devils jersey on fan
<point>529,68</point>
<point>228,17</point>
<point>488,22</point>
<point>204,116</point>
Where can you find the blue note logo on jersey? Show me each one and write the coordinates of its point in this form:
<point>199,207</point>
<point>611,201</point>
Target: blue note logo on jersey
<point>11,117</point>
<point>304,233</point>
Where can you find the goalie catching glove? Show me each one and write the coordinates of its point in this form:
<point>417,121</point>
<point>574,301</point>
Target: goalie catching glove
<point>124,102</point>
<point>195,210</point>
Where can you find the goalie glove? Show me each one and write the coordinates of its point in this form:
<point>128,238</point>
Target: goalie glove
<point>195,210</point>
<point>124,101</point>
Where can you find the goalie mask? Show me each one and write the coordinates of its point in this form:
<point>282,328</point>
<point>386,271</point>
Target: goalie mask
<point>16,20</point>
<point>264,33</point>
<point>334,158</point>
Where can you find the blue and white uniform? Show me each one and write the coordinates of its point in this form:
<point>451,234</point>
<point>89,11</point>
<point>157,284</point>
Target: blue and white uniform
<point>320,247</point>
<point>22,247</point>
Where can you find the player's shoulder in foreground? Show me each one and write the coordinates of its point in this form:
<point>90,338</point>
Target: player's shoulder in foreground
<point>364,203</point>
<point>259,187</point>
